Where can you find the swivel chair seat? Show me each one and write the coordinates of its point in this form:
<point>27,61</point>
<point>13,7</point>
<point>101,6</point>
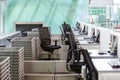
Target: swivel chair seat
<point>76,67</point>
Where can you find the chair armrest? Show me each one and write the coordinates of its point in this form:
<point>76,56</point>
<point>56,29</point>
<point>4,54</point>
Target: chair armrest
<point>55,40</point>
<point>78,49</point>
<point>77,42</point>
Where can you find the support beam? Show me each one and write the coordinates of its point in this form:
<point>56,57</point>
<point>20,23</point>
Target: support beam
<point>2,26</point>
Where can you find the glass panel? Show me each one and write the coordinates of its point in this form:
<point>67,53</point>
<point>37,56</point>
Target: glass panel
<point>0,18</point>
<point>116,1</point>
<point>52,12</point>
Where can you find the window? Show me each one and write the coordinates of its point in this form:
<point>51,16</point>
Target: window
<point>116,1</point>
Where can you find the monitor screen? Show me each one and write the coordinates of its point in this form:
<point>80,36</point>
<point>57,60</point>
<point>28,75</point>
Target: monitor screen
<point>93,32</point>
<point>97,36</point>
<point>114,46</point>
<point>77,25</point>
<point>27,26</point>
<point>85,29</point>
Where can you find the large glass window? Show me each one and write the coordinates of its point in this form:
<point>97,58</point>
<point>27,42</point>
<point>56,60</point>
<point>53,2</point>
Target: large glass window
<point>116,12</point>
<point>97,15</point>
<point>3,8</point>
<point>52,12</point>
<point>116,1</point>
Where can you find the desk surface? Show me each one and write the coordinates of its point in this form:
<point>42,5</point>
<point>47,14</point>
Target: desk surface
<point>94,54</point>
<point>76,33</point>
<point>102,65</point>
<point>86,42</point>
<point>81,39</point>
<point>6,35</point>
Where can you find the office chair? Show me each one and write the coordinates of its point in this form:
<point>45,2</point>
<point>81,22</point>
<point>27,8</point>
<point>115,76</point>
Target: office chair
<point>62,34</point>
<point>66,28</point>
<point>91,72</point>
<point>73,57</point>
<point>45,42</point>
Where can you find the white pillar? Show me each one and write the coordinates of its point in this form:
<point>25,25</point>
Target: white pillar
<point>2,26</point>
<point>105,39</point>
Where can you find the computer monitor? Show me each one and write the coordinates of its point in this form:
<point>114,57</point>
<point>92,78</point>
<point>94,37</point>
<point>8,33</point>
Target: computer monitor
<point>77,25</point>
<point>113,50</point>
<point>93,32</point>
<point>27,26</point>
<point>93,36</point>
<point>97,36</point>
<point>85,29</point>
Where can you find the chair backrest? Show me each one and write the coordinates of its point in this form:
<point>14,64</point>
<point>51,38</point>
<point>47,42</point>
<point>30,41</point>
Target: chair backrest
<point>71,47</point>
<point>72,53</point>
<point>45,38</point>
<point>62,33</point>
<point>66,28</point>
<point>92,72</point>
<point>71,40</point>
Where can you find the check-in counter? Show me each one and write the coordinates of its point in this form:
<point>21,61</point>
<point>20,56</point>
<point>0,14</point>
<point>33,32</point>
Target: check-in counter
<point>48,70</point>
<point>95,54</point>
<point>105,70</point>
<point>85,44</point>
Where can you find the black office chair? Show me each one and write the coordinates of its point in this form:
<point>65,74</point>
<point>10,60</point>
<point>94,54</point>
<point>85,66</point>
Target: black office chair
<point>91,71</point>
<point>73,57</point>
<point>62,34</point>
<point>66,28</point>
<point>45,42</point>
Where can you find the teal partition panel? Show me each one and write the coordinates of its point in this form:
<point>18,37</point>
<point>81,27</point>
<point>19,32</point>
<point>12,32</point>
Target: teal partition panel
<point>52,12</point>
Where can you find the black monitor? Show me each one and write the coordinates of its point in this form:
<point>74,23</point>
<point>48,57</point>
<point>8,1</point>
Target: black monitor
<point>27,26</point>
<point>93,36</point>
<point>113,50</point>
<point>97,36</point>
<point>85,29</point>
<point>78,25</point>
<point>93,31</point>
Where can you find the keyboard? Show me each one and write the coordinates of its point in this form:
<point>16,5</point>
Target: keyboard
<point>83,42</point>
<point>102,53</point>
<point>91,41</point>
<point>114,63</point>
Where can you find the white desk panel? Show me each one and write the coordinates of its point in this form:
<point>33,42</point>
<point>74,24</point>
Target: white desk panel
<point>105,71</point>
<point>95,54</point>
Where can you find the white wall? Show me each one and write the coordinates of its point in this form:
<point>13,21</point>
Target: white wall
<point>100,3</point>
